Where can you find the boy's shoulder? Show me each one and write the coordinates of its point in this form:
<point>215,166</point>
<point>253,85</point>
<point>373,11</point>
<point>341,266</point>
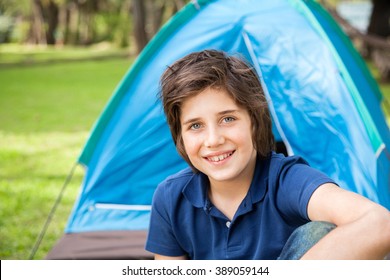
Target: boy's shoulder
<point>281,159</point>
<point>279,162</point>
<point>173,186</point>
<point>178,180</point>
<point>183,174</point>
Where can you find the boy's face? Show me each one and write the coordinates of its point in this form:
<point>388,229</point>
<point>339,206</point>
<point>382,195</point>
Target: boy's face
<point>217,136</point>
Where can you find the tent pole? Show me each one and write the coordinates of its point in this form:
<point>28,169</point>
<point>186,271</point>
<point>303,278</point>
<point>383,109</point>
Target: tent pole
<point>51,214</point>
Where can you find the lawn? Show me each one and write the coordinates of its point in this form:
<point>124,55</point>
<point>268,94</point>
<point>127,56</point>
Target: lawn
<point>48,106</point>
<point>47,111</point>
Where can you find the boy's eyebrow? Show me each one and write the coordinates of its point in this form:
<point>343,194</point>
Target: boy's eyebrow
<point>191,121</point>
<point>232,111</point>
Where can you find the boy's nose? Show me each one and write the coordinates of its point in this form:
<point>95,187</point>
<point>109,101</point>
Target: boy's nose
<point>214,138</point>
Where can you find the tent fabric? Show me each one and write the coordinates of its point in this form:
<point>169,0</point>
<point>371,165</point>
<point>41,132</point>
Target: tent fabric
<point>324,103</point>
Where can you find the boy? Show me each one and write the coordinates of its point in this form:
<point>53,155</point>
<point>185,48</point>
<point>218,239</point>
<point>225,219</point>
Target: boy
<point>239,199</point>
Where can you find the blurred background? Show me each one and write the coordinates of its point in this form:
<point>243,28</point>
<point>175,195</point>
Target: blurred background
<point>60,61</point>
<point>122,23</point>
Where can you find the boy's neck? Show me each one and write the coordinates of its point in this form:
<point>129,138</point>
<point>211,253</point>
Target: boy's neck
<point>228,195</point>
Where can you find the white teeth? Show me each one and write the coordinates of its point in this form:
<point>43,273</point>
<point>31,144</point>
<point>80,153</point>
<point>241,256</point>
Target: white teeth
<point>219,158</point>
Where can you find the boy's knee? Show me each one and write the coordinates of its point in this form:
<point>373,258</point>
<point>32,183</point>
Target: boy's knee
<point>312,232</point>
<point>303,238</point>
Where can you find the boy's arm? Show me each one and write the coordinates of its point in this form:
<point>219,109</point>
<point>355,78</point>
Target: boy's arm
<point>363,227</point>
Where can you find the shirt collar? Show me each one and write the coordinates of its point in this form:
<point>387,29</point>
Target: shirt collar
<point>259,183</point>
<point>196,189</point>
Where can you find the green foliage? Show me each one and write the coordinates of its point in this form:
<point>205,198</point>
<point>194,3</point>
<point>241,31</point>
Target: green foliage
<point>88,21</point>
<point>15,8</point>
<point>47,112</point>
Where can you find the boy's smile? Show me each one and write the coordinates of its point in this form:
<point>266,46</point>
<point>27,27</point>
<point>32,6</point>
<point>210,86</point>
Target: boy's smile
<point>219,157</point>
<point>217,136</point>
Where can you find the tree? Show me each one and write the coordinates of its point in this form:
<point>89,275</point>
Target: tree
<point>84,22</point>
<point>148,17</point>
<point>139,16</point>
<point>51,18</point>
<point>380,18</point>
<point>36,34</point>
<point>43,22</point>
<point>379,26</point>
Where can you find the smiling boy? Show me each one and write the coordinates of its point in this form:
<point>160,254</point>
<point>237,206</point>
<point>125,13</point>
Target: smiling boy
<point>239,199</point>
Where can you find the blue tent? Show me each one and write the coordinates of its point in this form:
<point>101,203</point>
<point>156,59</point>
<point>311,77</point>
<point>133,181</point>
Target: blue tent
<point>324,103</point>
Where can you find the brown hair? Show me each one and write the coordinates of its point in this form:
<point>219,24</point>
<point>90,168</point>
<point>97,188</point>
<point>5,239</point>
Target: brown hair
<point>198,71</point>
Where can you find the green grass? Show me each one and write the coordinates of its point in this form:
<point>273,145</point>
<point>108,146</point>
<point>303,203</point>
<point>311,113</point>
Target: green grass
<point>11,54</point>
<point>48,97</point>
<point>47,111</point>
<point>32,171</point>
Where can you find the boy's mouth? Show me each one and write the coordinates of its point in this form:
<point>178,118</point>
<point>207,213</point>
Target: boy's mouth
<point>221,157</point>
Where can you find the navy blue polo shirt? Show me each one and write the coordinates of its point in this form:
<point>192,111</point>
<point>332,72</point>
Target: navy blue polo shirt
<point>184,221</point>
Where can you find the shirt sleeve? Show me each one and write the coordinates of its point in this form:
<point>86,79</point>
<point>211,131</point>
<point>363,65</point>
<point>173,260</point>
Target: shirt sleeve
<point>297,182</point>
<point>161,239</point>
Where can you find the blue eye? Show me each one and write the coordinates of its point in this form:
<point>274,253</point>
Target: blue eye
<point>195,126</point>
<point>228,119</point>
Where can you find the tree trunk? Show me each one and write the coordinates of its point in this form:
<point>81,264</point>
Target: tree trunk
<point>379,25</point>
<point>123,30</point>
<point>158,10</point>
<point>380,18</point>
<point>140,36</point>
<point>52,13</point>
<point>64,24</point>
<point>178,4</point>
<point>36,33</point>
<point>88,10</point>
<point>73,33</point>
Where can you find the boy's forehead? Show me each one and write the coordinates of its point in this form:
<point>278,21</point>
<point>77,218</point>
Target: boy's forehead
<point>210,101</point>
<point>209,95</point>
